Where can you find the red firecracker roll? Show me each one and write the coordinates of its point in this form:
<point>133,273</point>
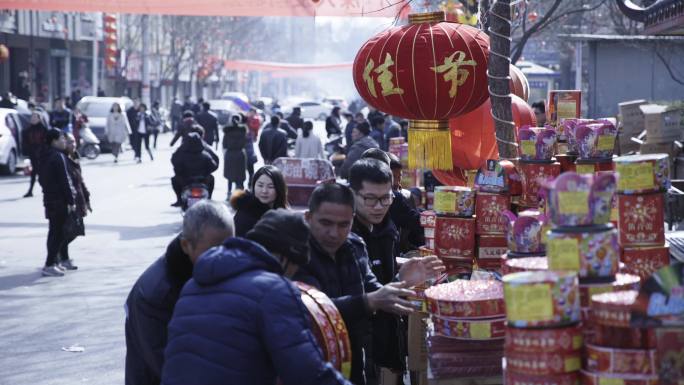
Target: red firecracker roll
<point>466,299</point>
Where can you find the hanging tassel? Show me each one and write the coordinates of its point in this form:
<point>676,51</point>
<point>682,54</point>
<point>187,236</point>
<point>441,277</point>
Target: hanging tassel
<point>429,145</point>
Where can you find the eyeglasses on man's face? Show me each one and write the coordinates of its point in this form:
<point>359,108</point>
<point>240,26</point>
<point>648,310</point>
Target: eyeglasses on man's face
<point>372,201</point>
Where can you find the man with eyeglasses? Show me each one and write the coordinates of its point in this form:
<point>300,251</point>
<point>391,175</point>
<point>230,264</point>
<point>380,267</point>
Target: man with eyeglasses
<point>371,181</point>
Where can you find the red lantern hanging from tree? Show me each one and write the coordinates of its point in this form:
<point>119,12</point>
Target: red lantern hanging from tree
<point>428,72</point>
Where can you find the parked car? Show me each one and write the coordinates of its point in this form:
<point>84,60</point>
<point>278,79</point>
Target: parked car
<point>224,109</point>
<point>336,101</point>
<point>310,110</point>
<point>97,108</point>
<point>10,132</point>
<point>238,95</point>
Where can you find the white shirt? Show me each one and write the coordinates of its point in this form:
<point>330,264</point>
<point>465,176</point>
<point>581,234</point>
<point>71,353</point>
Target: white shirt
<point>310,147</point>
<point>141,126</point>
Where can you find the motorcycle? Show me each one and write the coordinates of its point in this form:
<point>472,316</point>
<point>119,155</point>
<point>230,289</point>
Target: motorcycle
<point>89,145</point>
<point>194,192</point>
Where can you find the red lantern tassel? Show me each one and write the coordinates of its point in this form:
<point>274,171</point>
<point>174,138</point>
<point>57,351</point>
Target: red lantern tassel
<point>429,145</point>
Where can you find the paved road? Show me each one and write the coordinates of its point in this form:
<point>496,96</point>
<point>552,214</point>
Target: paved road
<point>129,228</point>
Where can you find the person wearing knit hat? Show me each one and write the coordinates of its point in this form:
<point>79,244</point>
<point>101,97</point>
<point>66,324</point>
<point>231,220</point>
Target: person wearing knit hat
<point>240,320</point>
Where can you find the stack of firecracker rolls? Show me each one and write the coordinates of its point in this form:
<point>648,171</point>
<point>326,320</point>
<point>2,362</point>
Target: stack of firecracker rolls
<point>454,233</point>
<point>642,184</point>
<point>468,328</point>
<point>619,354</point>
<point>494,189</point>
<point>536,148</point>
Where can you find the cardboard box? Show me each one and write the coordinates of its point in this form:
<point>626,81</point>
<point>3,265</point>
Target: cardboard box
<point>631,117</point>
<point>417,348</point>
<point>663,123</point>
<point>672,149</point>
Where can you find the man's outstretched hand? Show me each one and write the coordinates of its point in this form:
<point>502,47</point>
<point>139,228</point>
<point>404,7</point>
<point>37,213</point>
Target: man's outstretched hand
<point>417,270</point>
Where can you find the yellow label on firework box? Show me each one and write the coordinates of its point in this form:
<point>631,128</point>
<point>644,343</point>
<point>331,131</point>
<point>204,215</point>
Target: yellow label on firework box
<point>606,142</point>
<point>445,202</point>
<point>528,147</point>
<point>599,289</point>
<point>573,202</point>
<point>572,364</point>
<point>584,169</point>
<point>563,254</point>
<point>529,302</point>
<point>480,330</point>
<point>611,381</point>
<point>635,176</point>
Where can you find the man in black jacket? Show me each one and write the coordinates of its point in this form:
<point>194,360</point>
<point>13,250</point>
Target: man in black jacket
<point>371,181</point>
<point>339,267</point>
<point>209,122</point>
<point>194,160</point>
<point>273,142</point>
<point>59,198</point>
<point>295,118</point>
<point>150,304</point>
<point>60,117</point>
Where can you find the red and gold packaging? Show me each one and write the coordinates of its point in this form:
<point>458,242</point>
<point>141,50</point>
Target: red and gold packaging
<point>644,261</point>
<point>621,361</point>
<point>641,219</point>
<point>329,328</point>
<point>624,338</point>
<point>567,162</point>
<point>428,218</point>
<point>622,282</point>
<point>613,309</point>
<point>516,265</point>
<point>542,364</point>
<point>562,340</point>
<point>466,299</point>
<point>670,355</point>
<point>491,247</point>
<point>532,174</point>
<point>455,237</point>
<point>513,378</point>
<point>488,209</point>
<point>589,378</point>
<point>591,166</point>
<point>465,329</point>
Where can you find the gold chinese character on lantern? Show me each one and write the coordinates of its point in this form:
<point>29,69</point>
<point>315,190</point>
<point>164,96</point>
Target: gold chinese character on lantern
<point>385,77</point>
<point>452,73</point>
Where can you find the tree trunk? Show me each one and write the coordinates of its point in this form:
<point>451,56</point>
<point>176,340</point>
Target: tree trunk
<point>499,87</point>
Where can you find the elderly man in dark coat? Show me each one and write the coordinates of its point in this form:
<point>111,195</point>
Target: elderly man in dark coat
<point>240,320</point>
<point>152,299</point>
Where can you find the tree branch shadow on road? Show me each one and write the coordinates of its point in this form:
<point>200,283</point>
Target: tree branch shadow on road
<point>126,233</point>
<point>11,199</point>
<point>17,280</point>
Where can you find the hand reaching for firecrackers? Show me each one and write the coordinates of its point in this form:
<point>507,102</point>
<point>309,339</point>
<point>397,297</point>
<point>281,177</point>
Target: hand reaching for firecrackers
<point>389,299</point>
<point>417,270</point>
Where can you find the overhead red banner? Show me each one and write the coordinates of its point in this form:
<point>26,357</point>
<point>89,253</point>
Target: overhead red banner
<point>252,65</point>
<point>376,8</point>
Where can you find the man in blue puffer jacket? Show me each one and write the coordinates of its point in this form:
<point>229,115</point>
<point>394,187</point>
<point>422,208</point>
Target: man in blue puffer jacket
<point>240,320</point>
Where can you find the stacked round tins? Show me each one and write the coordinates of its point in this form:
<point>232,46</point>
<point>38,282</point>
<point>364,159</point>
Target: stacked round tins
<point>328,327</point>
<point>582,239</point>
<point>454,207</point>
<point>494,190</point>
<point>543,343</point>
<point>469,325</point>
<point>642,183</point>
<point>536,148</point>
<point>618,353</point>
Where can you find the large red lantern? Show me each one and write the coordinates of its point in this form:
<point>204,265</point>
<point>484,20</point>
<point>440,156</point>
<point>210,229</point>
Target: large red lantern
<point>428,72</point>
<point>519,85</point>
<point>473,140</point>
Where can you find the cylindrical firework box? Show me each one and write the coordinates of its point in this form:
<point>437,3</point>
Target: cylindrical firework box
<point>532,174</point>
<point>488,209</point>
<point>639,174</point>
<point>644,260</point>
<point>592,166</point>
<point>592,251</point>
<point>641,219</point>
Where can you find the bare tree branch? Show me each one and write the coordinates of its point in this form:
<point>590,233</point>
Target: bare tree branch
<point>535,27</point>
<point>668,67</point>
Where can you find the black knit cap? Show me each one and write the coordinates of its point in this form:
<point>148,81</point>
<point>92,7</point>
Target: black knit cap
<point>283,232</point>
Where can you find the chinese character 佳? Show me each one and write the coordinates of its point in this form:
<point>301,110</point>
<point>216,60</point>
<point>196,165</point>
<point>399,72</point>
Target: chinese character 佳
<point>452,73</point>
<point>384,77</point>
